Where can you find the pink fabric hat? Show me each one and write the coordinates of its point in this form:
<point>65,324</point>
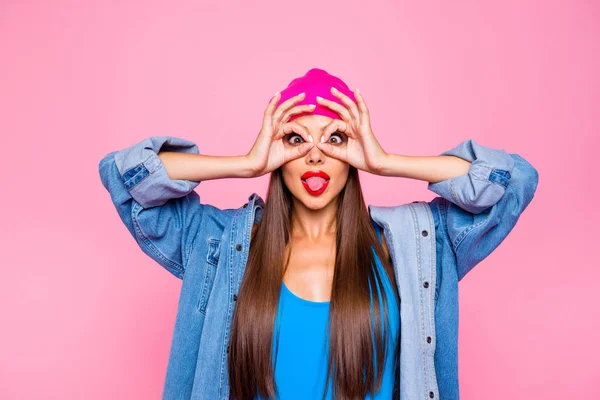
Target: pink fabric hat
<point>316,82</point>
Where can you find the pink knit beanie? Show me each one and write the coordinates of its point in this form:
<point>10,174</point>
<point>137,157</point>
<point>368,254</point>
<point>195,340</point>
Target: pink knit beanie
<point>316,82</point>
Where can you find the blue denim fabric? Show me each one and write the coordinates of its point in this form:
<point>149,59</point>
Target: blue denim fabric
<point>433,245</point>
<point>474,215</point>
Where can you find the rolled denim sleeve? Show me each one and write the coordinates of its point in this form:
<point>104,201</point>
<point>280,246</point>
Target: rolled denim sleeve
<point>485,182</point>
<point>144,174</point>
<point>162,214</point>
<point>477,210</point>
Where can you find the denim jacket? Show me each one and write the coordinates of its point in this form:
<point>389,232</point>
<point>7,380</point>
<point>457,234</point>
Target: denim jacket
<point>433,246</point>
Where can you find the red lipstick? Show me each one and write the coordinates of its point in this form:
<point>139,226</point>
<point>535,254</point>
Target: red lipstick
<point>315,186</point>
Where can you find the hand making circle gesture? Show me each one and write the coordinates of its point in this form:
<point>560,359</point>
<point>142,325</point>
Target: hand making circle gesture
<point>363,151</point>
<point>269,152</point>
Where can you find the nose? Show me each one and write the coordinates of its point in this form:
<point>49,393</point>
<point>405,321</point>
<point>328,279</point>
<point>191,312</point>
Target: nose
<point>315,156</point>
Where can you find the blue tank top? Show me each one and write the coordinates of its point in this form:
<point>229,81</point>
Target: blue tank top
<point>301,345</point>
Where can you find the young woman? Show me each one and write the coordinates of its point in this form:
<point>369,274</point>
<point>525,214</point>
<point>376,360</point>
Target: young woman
<point>300,296</point>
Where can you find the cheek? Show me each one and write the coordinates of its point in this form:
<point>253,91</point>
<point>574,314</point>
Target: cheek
<point>341,181</point>
<point>342,174</point>
<point>289,174</point>
<point>288,181</point>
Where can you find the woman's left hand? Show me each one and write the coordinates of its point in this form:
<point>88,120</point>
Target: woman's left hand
<point>362,151</point>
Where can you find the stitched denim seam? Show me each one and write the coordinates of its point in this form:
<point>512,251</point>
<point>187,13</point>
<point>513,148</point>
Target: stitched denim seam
<point>202,303</point>
<point>443,212</point>
<point>439,209</point>
<point>433,294</point>
<point>188,247</point>
<point>499,177</point>
<point>420,278</point>
<point>136,174</point>
<point>192,245</point>
<point>230,307</point>
<point>212,262</point>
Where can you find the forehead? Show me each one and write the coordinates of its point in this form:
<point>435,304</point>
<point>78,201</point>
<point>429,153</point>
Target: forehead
<point>316,121</point>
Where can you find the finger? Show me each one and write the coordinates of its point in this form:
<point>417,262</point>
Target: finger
<point>283,107</point>
<point>297,110</point>
<point>298,151</point>
<point>362,105</point>
<point>332,151</point>
<point>348,102</point>
<point>270,108</point>
<point>294,127</point>
<point>330,128</point>
<point>335,126</point>
<point>338,108</point>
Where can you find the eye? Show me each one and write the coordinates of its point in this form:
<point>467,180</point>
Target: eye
<point>292,136</point>
<point>341,137</point>
<point>338,138</point>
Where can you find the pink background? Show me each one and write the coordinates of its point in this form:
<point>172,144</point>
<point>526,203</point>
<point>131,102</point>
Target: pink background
<point>86,314</point>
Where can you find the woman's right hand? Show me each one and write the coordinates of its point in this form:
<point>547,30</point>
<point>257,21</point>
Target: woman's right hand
<point>269,151</point>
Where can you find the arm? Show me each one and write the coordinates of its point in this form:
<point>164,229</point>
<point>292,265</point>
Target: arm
<point>199,167</point>
<point>483,192</point>
<point>471,176</point>
<point>424,168</point>
<point>154,199</point>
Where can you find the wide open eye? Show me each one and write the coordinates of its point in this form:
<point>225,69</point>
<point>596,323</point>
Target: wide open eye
<point>341,136</point>
<point>290,137</point>
<point>338,138</point>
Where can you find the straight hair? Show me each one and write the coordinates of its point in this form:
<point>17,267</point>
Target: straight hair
<point>351,328</point>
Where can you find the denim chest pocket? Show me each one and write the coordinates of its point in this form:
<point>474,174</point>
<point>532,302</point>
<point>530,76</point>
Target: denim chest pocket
<point>212,260</point>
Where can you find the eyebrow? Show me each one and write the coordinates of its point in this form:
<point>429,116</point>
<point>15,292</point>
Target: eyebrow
<point>322,128</point>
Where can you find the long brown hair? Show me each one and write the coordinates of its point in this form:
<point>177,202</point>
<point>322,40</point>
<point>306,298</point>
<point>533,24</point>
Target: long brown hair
<point>351,352</point>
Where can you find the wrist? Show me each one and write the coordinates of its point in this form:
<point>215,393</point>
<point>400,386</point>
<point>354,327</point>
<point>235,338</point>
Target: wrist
<point>391,165</point>
<point>383,167</point>
<point>247,167</point>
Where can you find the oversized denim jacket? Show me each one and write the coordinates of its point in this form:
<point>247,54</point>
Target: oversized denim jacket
<point>433,246</point>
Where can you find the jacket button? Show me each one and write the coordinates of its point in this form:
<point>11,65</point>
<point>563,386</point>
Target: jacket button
<point>428,339</point>
<point>426,284</point>
<point>227,348</point>
<point>424,233</point>
<point>431,394</point>
<point>238,247</point>
<point>245,205</point>
<point>235,297</point>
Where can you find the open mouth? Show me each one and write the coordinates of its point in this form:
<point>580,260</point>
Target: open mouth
<point>314,181</point>
<point>315,184</point>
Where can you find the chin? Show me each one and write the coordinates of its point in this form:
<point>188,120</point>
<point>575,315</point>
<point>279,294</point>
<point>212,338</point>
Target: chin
<point>315,202</point>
